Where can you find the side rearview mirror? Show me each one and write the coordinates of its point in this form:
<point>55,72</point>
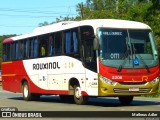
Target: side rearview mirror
<point>95,44</point>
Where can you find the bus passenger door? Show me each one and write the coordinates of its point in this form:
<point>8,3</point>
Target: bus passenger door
<point>89,60</point>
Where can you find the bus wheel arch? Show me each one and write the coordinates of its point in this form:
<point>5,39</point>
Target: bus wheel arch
<point>25,90</point>
<point>72,83</point>
<point>27,95</point>
<point>75,90</point>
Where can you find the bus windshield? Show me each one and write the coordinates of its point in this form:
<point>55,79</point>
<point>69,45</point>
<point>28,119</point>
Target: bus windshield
<point>130,48</point>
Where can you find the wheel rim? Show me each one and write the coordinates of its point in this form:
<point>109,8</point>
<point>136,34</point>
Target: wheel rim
<point>25,91</point>
<point>78,92</point>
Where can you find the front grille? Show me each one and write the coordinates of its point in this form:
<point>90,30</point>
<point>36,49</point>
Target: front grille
<point>132,83</point>
<point>141,90</point>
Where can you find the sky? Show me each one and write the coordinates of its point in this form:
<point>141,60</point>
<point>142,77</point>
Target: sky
<point>23,16</point>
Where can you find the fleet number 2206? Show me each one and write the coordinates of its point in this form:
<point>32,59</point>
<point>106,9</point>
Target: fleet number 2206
<point>116,77</point>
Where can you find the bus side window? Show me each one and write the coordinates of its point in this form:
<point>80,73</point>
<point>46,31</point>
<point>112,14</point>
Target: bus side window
<point>31,48</point>
<point>75,41</point>
<point>14,50</point>
<point>43,50</point>
<point>4,52</point>
<point>58,43</point>
<point>21,49</point>
<point>71,41</point>
<point>51,45</point>
<point>67,42</point>
<point>25,48</point>
<point>43,42</point>
<point>35,47</point>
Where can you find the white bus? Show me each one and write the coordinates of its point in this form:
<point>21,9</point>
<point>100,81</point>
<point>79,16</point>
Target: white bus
<point>77,59</point>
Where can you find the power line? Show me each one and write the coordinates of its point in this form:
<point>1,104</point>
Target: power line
<point>31,16</point>
<point>51,7</point>
<point>16,26</point>
<point>50,13</point>
<point>32,11</point>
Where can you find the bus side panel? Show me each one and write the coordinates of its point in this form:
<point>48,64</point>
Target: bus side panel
<point>59,71</point>
<point>12,73</point>
<point>72,69</point>
<point>15,71</point>
<point>44,75</point>
<point>92,82</point>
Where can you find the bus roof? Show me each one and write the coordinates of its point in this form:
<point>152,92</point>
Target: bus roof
<point>95,23</point>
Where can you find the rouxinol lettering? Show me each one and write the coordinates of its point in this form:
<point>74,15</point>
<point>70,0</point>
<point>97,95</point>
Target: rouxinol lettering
<point>50,65</point>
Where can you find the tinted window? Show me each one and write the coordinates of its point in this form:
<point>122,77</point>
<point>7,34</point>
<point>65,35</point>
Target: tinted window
<point>86,32</point>
<point>68,41</point>
<point>51,45</point>
<point>71,41</point>
<point>14,47</point>
<point>43,42</point>
<point>113,43</point>
<point>58,43</point>
<point>6,52</point>
<point>25,48</point>
<point>140,41</point>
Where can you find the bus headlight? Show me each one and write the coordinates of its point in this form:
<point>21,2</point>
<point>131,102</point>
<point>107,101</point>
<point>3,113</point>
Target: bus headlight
<point>155,80</point>
<point>106,80</point>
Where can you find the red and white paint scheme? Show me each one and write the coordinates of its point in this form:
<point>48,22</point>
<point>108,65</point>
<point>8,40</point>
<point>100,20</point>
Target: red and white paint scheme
<point>102,57</point>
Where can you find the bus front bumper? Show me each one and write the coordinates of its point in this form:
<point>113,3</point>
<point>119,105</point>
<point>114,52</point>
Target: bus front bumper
<point>110,88</point>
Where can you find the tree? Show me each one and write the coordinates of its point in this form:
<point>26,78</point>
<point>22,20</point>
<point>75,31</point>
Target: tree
<point>153,19</point>
<point>43,24</point>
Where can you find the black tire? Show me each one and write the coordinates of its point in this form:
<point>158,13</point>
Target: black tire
<point>78,97</point>
<point>66,98</point>
<point>126,100</point>
<point>27,96</point>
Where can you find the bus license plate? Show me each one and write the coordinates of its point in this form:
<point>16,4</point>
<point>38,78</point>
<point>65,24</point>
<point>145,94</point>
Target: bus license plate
<point>134,89</point>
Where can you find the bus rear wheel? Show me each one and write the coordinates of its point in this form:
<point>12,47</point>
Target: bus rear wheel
<point>126,100</point>
<point>78,97</point>
<point>26,93</point>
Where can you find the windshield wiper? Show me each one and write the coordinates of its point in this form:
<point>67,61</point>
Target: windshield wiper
<point>144,63</point>
<point>126,55</point>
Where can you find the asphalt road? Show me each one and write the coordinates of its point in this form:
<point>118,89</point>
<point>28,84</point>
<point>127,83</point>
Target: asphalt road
<point>53,103</point>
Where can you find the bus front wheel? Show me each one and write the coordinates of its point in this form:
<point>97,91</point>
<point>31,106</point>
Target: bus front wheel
<point>78,97</point>
<point>126,100</point>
